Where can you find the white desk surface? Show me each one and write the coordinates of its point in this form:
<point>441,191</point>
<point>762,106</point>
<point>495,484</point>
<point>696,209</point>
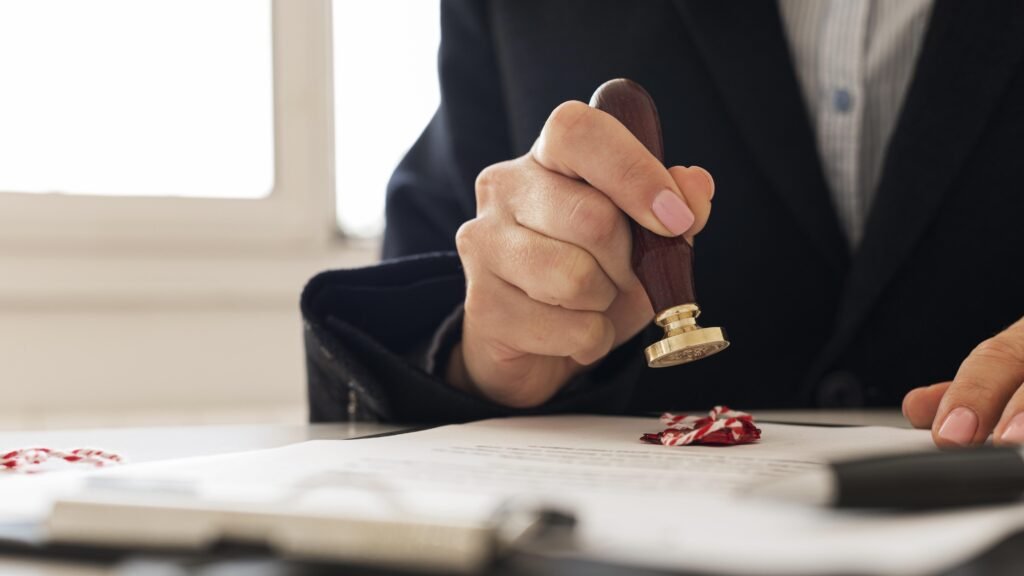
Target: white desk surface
<point>150,444</point>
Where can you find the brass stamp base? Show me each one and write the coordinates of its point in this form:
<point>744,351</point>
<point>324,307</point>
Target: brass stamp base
<point>684,340</point>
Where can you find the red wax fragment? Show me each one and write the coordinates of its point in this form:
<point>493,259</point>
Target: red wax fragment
<point>720,427</point>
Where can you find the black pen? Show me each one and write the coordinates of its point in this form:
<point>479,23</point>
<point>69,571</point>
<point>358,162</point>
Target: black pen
<point>910,481</point>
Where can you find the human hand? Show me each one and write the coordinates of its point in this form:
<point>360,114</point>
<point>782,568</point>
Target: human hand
<point>986,396</point>
<point>550,286</point>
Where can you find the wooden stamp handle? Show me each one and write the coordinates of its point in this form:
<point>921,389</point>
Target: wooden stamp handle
<point>664,265</point>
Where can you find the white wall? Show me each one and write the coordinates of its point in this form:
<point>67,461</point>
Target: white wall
<point>143,341</point>
<point>161,310</point>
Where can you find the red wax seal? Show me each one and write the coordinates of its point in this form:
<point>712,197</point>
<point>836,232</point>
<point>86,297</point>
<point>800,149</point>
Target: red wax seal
<point>721,427</point>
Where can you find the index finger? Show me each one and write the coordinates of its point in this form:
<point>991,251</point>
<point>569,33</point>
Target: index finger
<point>984,384</point>
<point>582,142</point>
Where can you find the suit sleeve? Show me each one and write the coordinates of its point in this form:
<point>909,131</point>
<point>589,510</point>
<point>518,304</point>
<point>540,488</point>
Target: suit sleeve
<point>366,330</point>
<point>432,191</point>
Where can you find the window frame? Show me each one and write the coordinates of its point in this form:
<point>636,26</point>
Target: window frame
<point>299,212</point>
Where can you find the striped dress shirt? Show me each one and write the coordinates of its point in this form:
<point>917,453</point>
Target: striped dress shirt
<point>854,60</point>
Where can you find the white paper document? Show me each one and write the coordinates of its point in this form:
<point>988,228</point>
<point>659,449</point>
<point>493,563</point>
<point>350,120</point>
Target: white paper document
<point>638,504</point>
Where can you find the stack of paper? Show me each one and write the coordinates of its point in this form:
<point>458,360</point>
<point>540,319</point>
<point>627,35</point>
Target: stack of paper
<point>677,508</point>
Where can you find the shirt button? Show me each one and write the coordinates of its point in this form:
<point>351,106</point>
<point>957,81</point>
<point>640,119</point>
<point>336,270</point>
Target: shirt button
<point>842,100</point>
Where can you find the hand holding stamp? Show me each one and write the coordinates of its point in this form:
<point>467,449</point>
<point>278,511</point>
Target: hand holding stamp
<point>664,265</point>
<point>551,285</point>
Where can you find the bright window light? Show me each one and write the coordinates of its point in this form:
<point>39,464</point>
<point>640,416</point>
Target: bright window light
<point>137,98</point>
<point>385,91</point>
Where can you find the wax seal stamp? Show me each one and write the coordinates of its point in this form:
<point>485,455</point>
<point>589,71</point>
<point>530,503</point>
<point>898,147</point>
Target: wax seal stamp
<point>664,265</point>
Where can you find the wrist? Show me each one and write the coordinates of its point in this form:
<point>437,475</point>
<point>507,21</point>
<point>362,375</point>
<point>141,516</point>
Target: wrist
<point>455,372</point>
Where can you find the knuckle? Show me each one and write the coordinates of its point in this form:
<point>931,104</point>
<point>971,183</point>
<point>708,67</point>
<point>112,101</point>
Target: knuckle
<point>973,392</point>
<point>591,329</point>
<point>489,181</point>
<point>537,280</point>
<point>562,124</point>
<point>486,182</point>
<point>467,237</point>
<point>577,276</point>
<point>596,335</point>
<point>635,172</point>
<point>582,287</point>
<point>1001,349</point>
<point>567,115</point>
<point>596,219</point>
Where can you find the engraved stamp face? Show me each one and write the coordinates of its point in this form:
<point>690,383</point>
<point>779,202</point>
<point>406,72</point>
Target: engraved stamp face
<point>689,354</point>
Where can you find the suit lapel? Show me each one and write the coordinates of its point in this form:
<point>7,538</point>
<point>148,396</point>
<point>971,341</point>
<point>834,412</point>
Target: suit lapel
<point>748,58</point>
<point>970,52</point>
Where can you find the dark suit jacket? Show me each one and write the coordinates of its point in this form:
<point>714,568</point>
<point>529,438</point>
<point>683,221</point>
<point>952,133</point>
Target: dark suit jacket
<point>940,268</point>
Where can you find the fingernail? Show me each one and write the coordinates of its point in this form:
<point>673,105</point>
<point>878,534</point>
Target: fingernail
<point>959,426</point>
<point>711,181</point>
<point>1014,433</point>
<point>673,212</point>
